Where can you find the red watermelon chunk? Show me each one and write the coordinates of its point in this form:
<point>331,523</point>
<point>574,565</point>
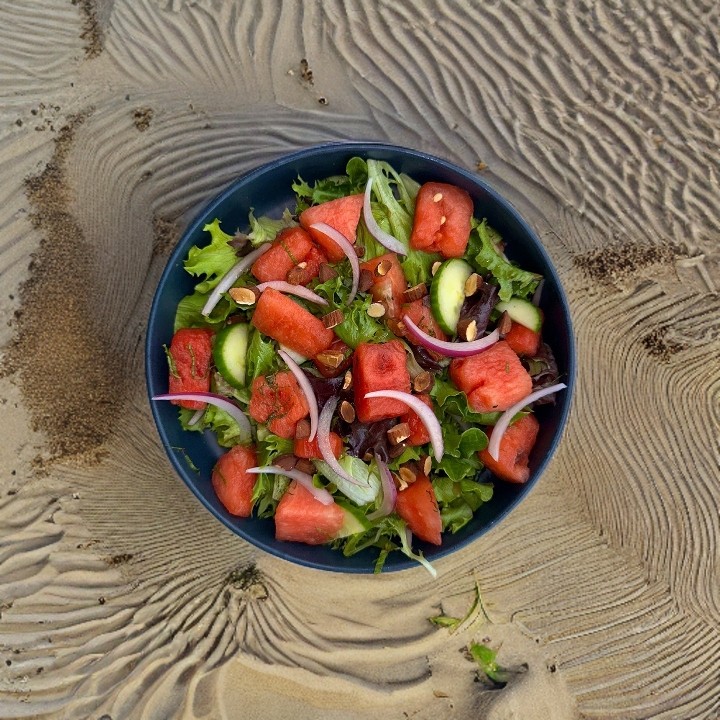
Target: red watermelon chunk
<point>380,366</point>
<point>515,447</point>
<point>493,380</point>
<point>278,401</point>
<point>300,517</point>
<point>291,247</point>
<point>342,214</point>
<point>418,507</point>
<point>232,483</point>
<point>524,341</point>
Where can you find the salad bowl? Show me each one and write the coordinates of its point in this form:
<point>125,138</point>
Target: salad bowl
<point>267,191</point>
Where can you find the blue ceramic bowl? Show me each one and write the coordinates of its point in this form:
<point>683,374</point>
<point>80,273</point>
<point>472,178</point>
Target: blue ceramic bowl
<point>267,190</point>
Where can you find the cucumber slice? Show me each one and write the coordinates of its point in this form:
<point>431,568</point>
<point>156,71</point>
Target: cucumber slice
<point>354,522</point>
<point>522,312</point>
<point>230,353</point>
<point>447,293</point>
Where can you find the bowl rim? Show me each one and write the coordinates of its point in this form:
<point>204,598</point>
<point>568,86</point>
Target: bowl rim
<point>200,217</point>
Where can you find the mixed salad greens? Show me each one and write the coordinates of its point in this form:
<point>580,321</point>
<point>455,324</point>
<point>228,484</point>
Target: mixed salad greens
<point>354,356</point>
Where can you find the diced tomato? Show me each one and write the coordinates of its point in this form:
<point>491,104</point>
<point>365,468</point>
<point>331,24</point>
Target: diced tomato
<point>442,219</point>
<point>524,341</point>
<point>418,432</point>
<point>422,316</point>
<point>330,369</point>
<point>278,401</point>
<point>291,246</point>
<point>515,447</point>
<point>313,260</point>
<point>300,517</point>
<point>190,357</point>
<point>232,483</point>
<point>342,214</point>
<point>389,287</point>
<point>379,366</point>
<point>306,449</point>
<point>284,320</point>
<point>494,380</point>
<point>418,507</point>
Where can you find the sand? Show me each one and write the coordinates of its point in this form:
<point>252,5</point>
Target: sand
<point>120,597</point>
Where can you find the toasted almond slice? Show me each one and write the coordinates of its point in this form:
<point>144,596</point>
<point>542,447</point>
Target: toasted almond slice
<point>472,284</point>
<point>414,293</point>
<point>422,381</point>
<point>427,466</point>
<point>347,381</point>
<point>347,411</point>
<point>504,324</point>
<point>437,197</point>
<point>331,358</point>
<point>443,220</point>
<point>397,450</point>
<point>407,475</point>
<point>383,268</point>
<point>376,310</point>
<point>435,267</point>
<point>243,296</point>
<point>399,433</point>
<point>332,319</point>
<point>470,331</point>
<point>366,280</point>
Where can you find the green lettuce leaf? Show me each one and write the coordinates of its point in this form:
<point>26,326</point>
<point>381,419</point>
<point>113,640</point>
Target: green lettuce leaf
<point>269,489</point>
<point>262,357</point>
<point>189,312</point>
<point>213,260</point>
<point>265,229</point>
<point>484,255</point>
<point>331,188</point>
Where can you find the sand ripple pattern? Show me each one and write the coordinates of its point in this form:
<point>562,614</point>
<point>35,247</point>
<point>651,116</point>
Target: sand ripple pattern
<point>118,596</point>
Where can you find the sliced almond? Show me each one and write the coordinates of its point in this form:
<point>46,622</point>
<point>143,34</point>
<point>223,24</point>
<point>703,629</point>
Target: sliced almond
<point>383,268</point>
<point>305,465</point>
<point>376,310</point>
<point>504,324</point>
<point>347,412</point>
<point>400,484</point>
<point>331,358</point>
<point>302,429</point>
<point>470,332</point>
<point>326,272</point>
<point>414,293</point>
<point>296,275</point>
<point>407,475</point>
<point>359,250</point>
<point>397,450</point>
<point>435,267</point>
<point>366,280</point>
<point>347,381</point>
<point>472,284</point>
<point>443,220</point>
<point>427,466</point>
<point>398,433</point>
<point>243,296</point>
<point>332,319</point>
<point>286,462</point>
<point>422,381</point>
<point>437,197</point>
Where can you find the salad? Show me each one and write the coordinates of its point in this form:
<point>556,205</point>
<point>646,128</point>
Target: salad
<point>362,358</point>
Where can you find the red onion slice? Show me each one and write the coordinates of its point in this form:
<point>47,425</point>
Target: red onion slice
<point>389,491</point>
<point>299,290</point>
<point>450,349</point>
<point>323,436</point>
<point>218,401</point>
<point>388,241</point>
<point>502,424</point>
<point>425,414</point>
<point>196,417</point>
<point>305,386</point>
<point>302,478</point>
<point>346,246</point>
<point>229,278</point>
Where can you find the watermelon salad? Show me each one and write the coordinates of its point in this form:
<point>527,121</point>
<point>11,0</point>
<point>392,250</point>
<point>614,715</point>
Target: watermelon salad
<point>360,360</point>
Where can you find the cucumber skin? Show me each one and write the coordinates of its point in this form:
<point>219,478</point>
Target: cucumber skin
<point>457,284</point>
<point>522,312</point>
<point>236,378</point>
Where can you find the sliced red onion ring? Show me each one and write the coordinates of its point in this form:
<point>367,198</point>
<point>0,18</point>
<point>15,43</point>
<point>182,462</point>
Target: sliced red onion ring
<point>305,386</point>
<point>502,424</point>
<point>196,417</point>
<point>388,241</point>
<point>323,436</point>
<point>388,489</point>
<point>299,290</point>
<point>304,479</point>
<point>229,278</point>
<point>424,412</point>
<point>450,349</point>
<point>219,401</point>
<point>538,293</point>
<point>346,246</point>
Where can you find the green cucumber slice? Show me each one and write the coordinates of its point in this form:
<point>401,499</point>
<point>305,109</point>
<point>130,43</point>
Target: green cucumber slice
<point>230,353</point>
<point>447,293</point>
<point>522,312</point>
<point>354,522</point>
